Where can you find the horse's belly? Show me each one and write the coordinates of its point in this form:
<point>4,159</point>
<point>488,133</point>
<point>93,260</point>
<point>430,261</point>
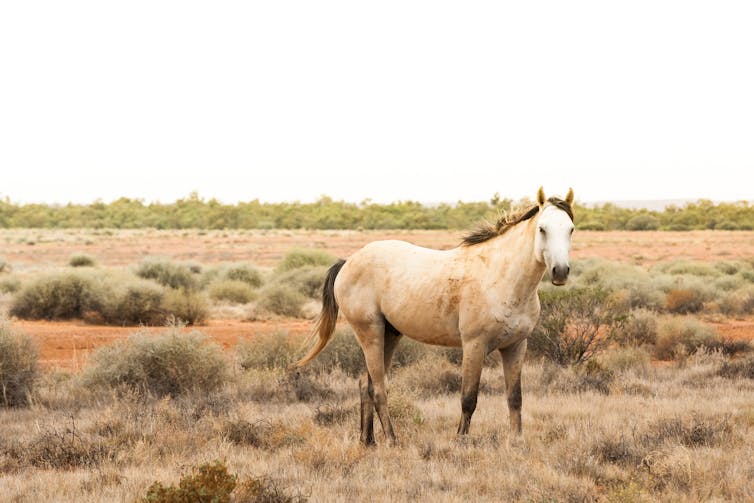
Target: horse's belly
<point>426,329</point>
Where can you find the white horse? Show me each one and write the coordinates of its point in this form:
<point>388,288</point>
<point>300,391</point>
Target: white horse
<point>481,296</point>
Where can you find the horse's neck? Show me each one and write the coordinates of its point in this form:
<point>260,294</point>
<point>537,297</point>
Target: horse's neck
<point>513,252</point>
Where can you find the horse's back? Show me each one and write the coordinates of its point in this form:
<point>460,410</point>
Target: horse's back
<point>407,284</point>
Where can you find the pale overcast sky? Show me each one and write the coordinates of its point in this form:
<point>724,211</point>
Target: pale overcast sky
<point>431,101</point>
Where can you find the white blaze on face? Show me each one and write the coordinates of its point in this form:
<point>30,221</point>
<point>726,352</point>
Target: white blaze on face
<point>553,242</point>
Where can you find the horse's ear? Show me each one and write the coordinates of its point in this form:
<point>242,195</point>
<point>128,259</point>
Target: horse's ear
<point>569,197</point>
<point>541,197</point>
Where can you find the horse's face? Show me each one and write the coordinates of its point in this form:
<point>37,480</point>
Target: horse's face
<point>553,242</point>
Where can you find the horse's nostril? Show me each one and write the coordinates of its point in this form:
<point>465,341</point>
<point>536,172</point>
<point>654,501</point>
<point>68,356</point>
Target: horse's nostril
<point>568,270</point>
<point>553,271</point>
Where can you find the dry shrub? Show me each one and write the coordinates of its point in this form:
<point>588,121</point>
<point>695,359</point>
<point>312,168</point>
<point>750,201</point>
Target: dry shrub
<point>81,260</point>
<point>264,490</point>
<point>736,369</point>
<point>172,363</point>
<point>304,257</point>
<point>282,300</point>
<point>133,301</point>
<point>737,303</point>
<point>167,273</point>
<point>331,413</point>
<point>687,267</point>
<point>186,305</point>
<point>209,482</point>
<point>627,358</point>
<point>9,284</point>
<point>59,449</point>
<point>575,324</point>
<point>18,366</point>
<point>301,386</point>
<point>684,301</point>
<point>58,296</point>
<point>683,336</point>
<point>573,380</point>
<point>236,291</point>
<point>430,376</point>
<point>343,352</point>
<point>692,431</point>
<point>274,351</point>
<point>640,329</point>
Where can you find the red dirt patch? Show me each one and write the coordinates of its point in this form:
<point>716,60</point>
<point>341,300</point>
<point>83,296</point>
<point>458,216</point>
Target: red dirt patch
<point>68,344</point>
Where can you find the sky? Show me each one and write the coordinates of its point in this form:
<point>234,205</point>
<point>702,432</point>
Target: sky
<point>431,101</point>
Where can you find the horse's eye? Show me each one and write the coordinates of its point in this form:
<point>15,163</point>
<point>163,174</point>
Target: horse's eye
<point>571,230</point>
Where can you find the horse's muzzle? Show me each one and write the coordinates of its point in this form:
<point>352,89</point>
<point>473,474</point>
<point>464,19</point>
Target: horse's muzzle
<point>559,274</point>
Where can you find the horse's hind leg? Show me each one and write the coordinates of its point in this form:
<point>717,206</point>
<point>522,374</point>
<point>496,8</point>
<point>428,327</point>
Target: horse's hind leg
<point>371,337</point>
<point>366,388</point>
<point>513,361</point>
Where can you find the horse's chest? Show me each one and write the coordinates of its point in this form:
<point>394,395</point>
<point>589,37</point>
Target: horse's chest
<point>500,325</point>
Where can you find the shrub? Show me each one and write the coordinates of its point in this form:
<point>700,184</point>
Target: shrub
<point>307,279</point>
<point>132,302</point>
<point>209,482</point>
<point>304,257</point>
<point>81,260</point>
<point>343,352</point>
<point>18,366</point>
<point>245,273</point>
<point>738,368</point>
<point>186,305</point>
<point>575,324</point>
<point>60,449</point>
<point>430,376</point>
<point>679,336</point>
<point>9,285</point>
<point>640,329</point>
<point>274,351</point>
<point>172,363</point>
<point>282,300</point>
<point>643,223</point>
<point>738,303</point>
<point>681,267</point>
<point>167,273</point>
<point>238,292</point>
<point>622,359</point>
<point>684,301</point>
<point>57,296</point>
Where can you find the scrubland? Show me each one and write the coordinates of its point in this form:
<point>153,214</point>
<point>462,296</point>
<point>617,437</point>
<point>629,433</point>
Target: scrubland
<point>630,393</point>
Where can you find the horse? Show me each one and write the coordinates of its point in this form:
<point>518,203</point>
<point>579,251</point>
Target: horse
<point>481,296</point>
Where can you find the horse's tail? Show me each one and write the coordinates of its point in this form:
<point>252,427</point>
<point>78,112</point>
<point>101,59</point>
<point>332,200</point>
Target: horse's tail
<point>325,325</point>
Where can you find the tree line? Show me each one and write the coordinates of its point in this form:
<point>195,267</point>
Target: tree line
<point>194,212</point>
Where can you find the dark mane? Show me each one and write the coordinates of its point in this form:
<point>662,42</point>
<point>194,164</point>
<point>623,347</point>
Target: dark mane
<point>487,231</point>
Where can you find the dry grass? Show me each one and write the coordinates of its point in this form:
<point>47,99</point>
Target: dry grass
<point>669,434</point>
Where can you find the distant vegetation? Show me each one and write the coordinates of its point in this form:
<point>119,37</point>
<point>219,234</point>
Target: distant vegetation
<point>326,213</point>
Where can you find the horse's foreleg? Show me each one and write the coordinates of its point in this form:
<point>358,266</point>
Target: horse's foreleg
<point>471,371</point>
<point>366,389</point>
<point>513,361</point>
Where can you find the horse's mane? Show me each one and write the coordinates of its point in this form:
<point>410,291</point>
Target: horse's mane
<point>487,231</point>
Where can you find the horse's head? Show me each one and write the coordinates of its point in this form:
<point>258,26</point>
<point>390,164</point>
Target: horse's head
<point>553,240</point>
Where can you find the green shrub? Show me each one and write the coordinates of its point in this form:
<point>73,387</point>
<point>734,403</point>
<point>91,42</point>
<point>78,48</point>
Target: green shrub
<point>238,292</point>
<point>575,324</point>
<point>643,223</point>
<point>304,257</point>
<point>682,336</point>
<point>245,273</point>
<point>688,267</point>
<point>58,296</point>
<point>640,329</point>
<point>172,363</point>
<point>307,279</point>
<point>282,300</point>
<point>186,305</point>
<point>167,273</point>
<point>622,359</point>
<point>133,301</point>
<point>81,260</point>
<point>18,366</point>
